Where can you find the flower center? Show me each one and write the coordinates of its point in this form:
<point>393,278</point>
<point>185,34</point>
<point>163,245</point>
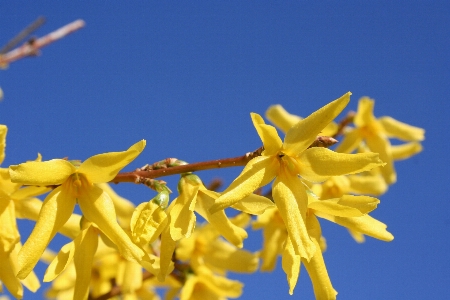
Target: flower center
<point>76,184</point>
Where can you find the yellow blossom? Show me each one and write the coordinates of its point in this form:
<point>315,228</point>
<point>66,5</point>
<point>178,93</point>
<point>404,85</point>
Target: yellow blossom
<point>376,133</point>
<point>371,183</point>
<point>76,185</point>
<point>193,196</point>
<point>205,245</point>
<point>204,284</point>
<point>13,200</point>
<point>285,161</point>
<point>349,211</point>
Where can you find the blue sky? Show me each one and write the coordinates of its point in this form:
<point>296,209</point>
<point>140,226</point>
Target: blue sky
<point>185,76</point>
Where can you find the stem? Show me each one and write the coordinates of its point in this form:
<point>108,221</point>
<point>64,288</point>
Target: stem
<point>140,176</point>
<point>344,123</point>
<point>32,47</point>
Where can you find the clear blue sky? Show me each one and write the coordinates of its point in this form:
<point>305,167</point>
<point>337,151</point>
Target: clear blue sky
<point>186,76</point>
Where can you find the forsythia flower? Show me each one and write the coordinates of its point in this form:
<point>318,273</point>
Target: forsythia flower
<point>285,161</point>
<point>14,202</point>
<point>336,187</point>
<point>193,195</point>
<point>376,133</point>
<point>206,246</point>
<point>76,185</point>
<point>348,211</point>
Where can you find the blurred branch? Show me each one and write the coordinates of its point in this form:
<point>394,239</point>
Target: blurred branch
<point>23,34</point>
<point>32,47</point>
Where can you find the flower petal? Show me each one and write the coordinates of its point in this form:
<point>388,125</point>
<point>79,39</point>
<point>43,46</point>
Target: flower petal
<point>61,261</point>
<point>316,164</point>
<point>346,206</point>
<point>52,172</point>
<point>254,204</point>
<point>104,167</point>
<point>224,256</point>
<point>147,223</point>
<point>258,172</point>
<point>167,249</point>
<point>350,141</point>
<point>130,280</point>
<point>357,236</point>
<point>83,259</point>
<point>402,131</point>
<point>281,118</point>
<point>302,134</point>
<point>29,192</point>
<point>7,276</point>
<point>124,207</point>
<point>268,134</point>
<point>291,199</point>
<point>9,233</point>
<point>98,208</point>
<point>377,143</point>
<point>405,151</point>
<point>291,265</point>
<point>6,186</point>
<point>317,271</point>
<point>274,238</point>
<point>364,115</point>
<point>182,215</point>
<point>216,287</point>
<point>364,224</point>
<point>372,185</point>
<point>3,132</point>
<point>56,210</point>
<point>233,233</point>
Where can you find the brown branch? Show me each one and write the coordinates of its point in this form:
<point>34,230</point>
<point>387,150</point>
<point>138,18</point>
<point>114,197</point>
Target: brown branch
<point>31,48</point>
<point>23,34</point>
<point>140,176</point>
<point>344,123</point>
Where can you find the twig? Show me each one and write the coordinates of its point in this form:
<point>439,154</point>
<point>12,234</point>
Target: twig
<point>344,123</point>
<point>147,172</point>
<point>200,166</point>
<point>23,34</point>
<point>31,48</point>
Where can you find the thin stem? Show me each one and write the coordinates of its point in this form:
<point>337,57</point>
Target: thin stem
<point>140,176</point>
<point>344,123</point>
<point>32,47</point>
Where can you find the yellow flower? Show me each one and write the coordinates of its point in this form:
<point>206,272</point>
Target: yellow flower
<point>76,185</point>
<point>348,211</point>
<point>274,237</point>
<point>182,220</point>
<point>376,133</point>
<point>285,161</point>
<point>13,201</point>
<point>336,187</point>
<point>81,251</point>
<point>206,246</point>
<point>204,284</point>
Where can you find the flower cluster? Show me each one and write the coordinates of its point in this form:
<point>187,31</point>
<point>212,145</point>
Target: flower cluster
<point>188,244</point>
